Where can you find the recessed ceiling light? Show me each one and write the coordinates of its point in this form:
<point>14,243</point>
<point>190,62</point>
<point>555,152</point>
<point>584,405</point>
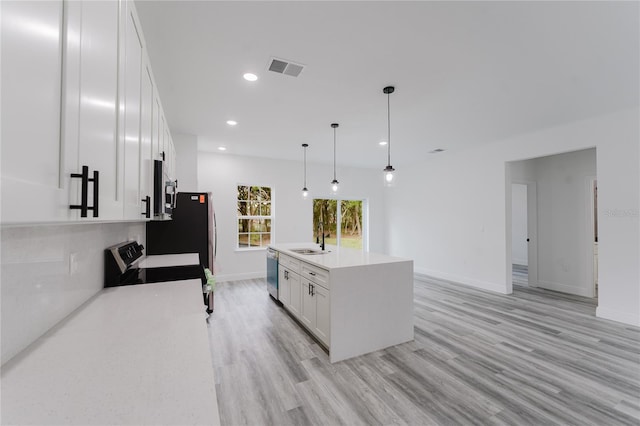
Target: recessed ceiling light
<point>382,143</point>
<point>222,148</point>
<point>232,122</point>
<point>250,77</point>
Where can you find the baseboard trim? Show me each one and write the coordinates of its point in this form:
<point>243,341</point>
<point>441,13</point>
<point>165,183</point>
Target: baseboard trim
<point>616,315</point>
<point>237,277</point>
<point>421,274</point>
<point>564,288</point>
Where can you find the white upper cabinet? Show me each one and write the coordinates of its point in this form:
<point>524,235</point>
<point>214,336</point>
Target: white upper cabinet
<point>132,57</point>
<point>147,114</point>
<point>90,107</point>
<point>82,120</point>
<point>31,75</point>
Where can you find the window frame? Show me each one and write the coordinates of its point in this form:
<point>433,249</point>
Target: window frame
<point>239,217</point>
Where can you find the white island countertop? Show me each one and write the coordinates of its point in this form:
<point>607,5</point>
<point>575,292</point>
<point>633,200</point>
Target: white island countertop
<point>336,257</point>
<point>133,355</point>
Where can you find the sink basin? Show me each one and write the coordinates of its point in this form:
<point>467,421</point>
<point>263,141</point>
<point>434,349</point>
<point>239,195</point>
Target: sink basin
<point>308,251</point>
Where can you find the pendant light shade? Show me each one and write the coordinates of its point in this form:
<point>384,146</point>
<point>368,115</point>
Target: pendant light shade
<point>305,191</point>
<point>334,182</point>
<point>389,171</point>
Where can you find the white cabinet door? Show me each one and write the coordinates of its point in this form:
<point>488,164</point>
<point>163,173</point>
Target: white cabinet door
<point>146,145</point>
<point>295,294</point>
<point>132,47</point>
<point>157,123</point>
<point>323,314</point>
<point>90,110</point>
<point>31,75</point>
<point>308,305</point>
<point>284,288</point>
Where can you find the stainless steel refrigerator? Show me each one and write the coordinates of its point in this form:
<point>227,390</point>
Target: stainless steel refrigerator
<point>192,229</point>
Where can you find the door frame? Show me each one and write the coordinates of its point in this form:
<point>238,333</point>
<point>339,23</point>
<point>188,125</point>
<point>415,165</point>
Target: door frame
<point>590,182</point>
<point>532,233</point>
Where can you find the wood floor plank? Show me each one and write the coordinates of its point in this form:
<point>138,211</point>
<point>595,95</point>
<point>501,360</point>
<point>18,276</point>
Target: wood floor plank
<point>530,358</point>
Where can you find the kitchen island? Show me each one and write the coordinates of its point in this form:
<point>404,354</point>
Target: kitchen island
<point>353,302</point>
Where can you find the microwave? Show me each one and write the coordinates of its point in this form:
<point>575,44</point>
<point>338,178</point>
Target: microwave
<point>164,191</point>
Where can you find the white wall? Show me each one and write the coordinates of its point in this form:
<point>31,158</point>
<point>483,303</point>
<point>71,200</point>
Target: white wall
<point>221,173</point>
<point>451,214</point>
<point>38,289</point>
<point>519,248</point>
<point>186,162</point>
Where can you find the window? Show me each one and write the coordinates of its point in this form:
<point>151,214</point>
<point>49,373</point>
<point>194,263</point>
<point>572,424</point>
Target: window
<point>254,216</point>
<point>349,216</point>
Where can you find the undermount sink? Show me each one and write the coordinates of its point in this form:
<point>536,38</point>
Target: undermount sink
<point>307,251</point>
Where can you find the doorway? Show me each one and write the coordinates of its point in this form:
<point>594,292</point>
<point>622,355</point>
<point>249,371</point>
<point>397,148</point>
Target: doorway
<point>519,235</point>
<point>561,216</point>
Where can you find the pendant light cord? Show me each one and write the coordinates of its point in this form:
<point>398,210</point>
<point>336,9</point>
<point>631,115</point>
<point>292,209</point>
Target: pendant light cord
<point>388,129</point>
<point>334,153</point>
<point>305,166</point>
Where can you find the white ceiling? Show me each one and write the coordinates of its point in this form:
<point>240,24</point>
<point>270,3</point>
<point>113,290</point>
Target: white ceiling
<point>466,73</point>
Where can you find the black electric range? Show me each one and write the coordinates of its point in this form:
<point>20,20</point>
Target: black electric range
<point>120,268</point>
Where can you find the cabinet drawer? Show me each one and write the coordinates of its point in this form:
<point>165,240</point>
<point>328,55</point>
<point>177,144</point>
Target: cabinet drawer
<point>316,275</point>
<point>289,262</point>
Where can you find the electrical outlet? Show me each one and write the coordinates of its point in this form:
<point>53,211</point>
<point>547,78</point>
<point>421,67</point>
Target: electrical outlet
<point>73,263</point>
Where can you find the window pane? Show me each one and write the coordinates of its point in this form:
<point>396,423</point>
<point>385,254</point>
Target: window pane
<point>243,225</point>
<point>255,193</point>
<point>266,193</point>
<point>325,213</point>
<point>266,239</point>
<point>267,225</point>
<point>255,225</point>
<point>243,208</point>
<point>351,224</point>
<point>243,240</point>
<point>265,208</point>
<point>254,208</point>
<point>255,240</point>
<point>243,193</point>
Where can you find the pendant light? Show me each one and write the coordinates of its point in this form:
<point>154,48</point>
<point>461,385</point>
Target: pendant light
<point>334,182</point>
<point>305,191</point>
<point>389,177</point>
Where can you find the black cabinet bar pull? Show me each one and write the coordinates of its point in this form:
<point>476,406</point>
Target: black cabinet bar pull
<point>147,212</point>
<point>84,191</point>
<point>96,193</point>
<point>84,176</point>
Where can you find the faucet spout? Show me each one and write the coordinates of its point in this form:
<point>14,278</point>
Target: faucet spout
<point>322,230</point>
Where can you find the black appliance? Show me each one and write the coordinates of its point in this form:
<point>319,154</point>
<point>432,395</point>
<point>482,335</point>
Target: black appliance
<point>120,268</point>
<point>164,191</point>
<point>191,230</point>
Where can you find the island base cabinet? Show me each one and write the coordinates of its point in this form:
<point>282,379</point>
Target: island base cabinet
<point>284,287</point>
<point>308,308</point>
<point>322,323</point>
<point>295,294</point>
<point>315,310</point>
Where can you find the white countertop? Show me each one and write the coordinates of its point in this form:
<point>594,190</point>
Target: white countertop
<point>131,355</point>
<point>168,260</point>
<point>336,257</point>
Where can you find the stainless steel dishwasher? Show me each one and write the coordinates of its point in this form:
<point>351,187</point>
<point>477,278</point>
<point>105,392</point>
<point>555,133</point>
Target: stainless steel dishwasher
<point>272,272</point>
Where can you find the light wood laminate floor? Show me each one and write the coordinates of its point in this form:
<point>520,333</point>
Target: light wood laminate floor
<point>531,358</point>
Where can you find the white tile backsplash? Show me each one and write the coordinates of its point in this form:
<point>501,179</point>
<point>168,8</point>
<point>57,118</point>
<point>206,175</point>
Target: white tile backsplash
<point>39,287</point>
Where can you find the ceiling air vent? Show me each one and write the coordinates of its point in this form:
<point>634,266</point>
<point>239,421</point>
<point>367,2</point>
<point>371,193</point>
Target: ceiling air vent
<point>282,66</point>
<point>435,151</point>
